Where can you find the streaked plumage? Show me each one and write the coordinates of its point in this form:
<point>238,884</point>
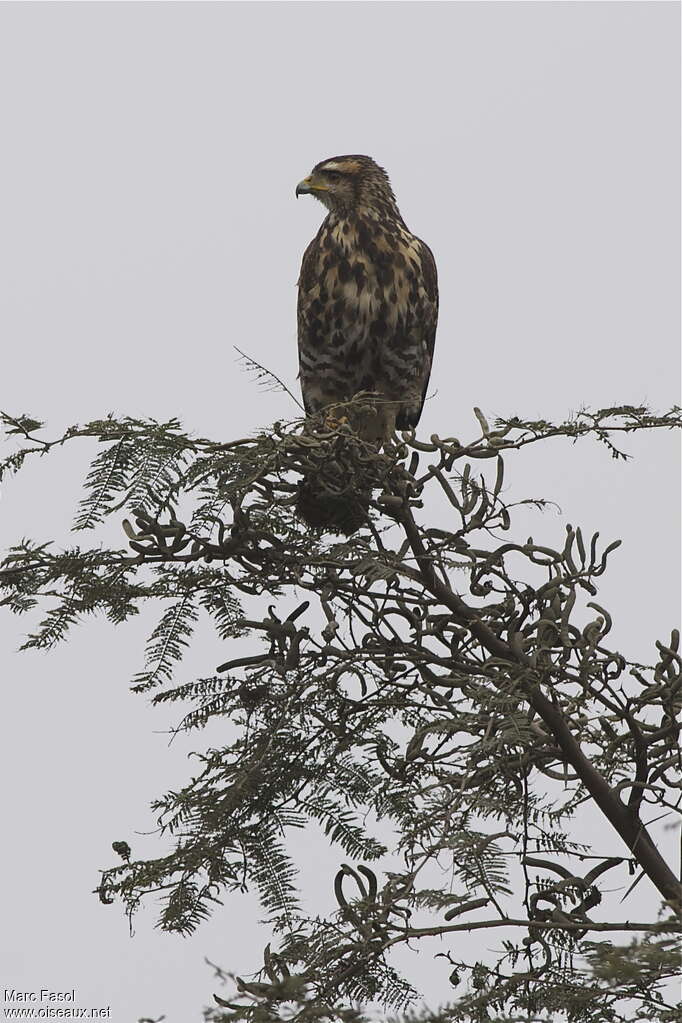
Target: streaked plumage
<point>367,300</point>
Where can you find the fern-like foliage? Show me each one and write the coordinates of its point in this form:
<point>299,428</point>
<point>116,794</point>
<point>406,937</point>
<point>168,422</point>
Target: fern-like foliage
<point>167,642</point>
<point>140,469</point>
<point>433,699</point>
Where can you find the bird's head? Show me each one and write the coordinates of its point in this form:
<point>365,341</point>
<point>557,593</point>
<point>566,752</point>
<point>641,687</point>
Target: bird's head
<point>347,183</point>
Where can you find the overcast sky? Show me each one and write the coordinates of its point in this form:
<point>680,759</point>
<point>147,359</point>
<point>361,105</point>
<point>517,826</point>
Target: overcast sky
<point>148,223</point>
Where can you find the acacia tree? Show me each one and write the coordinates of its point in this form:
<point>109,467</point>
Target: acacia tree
<point>431,672</point>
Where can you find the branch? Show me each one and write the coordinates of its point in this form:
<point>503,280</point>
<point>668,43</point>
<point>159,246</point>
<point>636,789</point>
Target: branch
<point>626,823</point>
<point>668,926</point>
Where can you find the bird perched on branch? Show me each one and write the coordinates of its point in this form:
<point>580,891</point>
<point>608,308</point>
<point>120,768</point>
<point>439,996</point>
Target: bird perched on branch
<point>367,307</point>
<point>367,299</point>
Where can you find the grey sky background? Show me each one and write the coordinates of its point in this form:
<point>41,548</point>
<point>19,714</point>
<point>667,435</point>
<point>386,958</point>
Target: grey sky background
<point>148,224</point>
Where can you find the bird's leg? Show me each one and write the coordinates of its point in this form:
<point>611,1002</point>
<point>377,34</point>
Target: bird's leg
<point>334,417</point>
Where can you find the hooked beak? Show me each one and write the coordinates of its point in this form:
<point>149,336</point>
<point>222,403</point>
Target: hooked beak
<point>309,187</point>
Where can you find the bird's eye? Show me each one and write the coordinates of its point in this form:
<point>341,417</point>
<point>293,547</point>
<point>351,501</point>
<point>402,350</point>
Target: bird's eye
<point>334,175</point>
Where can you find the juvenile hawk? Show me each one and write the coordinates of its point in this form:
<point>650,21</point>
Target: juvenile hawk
<point>367,299</point>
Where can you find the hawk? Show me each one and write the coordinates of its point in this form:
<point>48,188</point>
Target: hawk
<point>367,300</point>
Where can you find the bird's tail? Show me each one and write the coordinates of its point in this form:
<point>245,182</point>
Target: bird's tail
<point>340,509</point>
<point>344,462</point>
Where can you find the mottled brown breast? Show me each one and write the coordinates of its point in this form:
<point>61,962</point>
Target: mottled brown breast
<point>367,313</point>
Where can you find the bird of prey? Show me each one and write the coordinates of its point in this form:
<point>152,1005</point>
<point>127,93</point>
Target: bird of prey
<point>367,300</point>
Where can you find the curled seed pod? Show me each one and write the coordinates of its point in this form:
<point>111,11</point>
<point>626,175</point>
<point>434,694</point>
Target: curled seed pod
<point>534,551</point>
<point>593,550</point>
<point>390,501</point>
<point>612,861</point>
<point>171,530</point>
<point>421,446</point>
<point>301,609</point>
<point>567,551</point>
<point>338,889</point>
<point>449,492</point>
<point>478,519</point>
<point>465,907</point>
<point>558,868</point>
<point>269,965</point>
<point>142,548</point>
<point>592,631</point>
<point>556,604</point>
<point>581,546</point>
<point>567,608</point>
<point>471,498</point>
<point>483,422</point>
<point>602,564</point>
<point>499,478</point>
<point>607,620</point>
<point>371,880</point>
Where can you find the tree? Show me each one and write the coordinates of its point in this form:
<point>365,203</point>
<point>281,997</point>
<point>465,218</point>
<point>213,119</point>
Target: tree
<point>439,676</point>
